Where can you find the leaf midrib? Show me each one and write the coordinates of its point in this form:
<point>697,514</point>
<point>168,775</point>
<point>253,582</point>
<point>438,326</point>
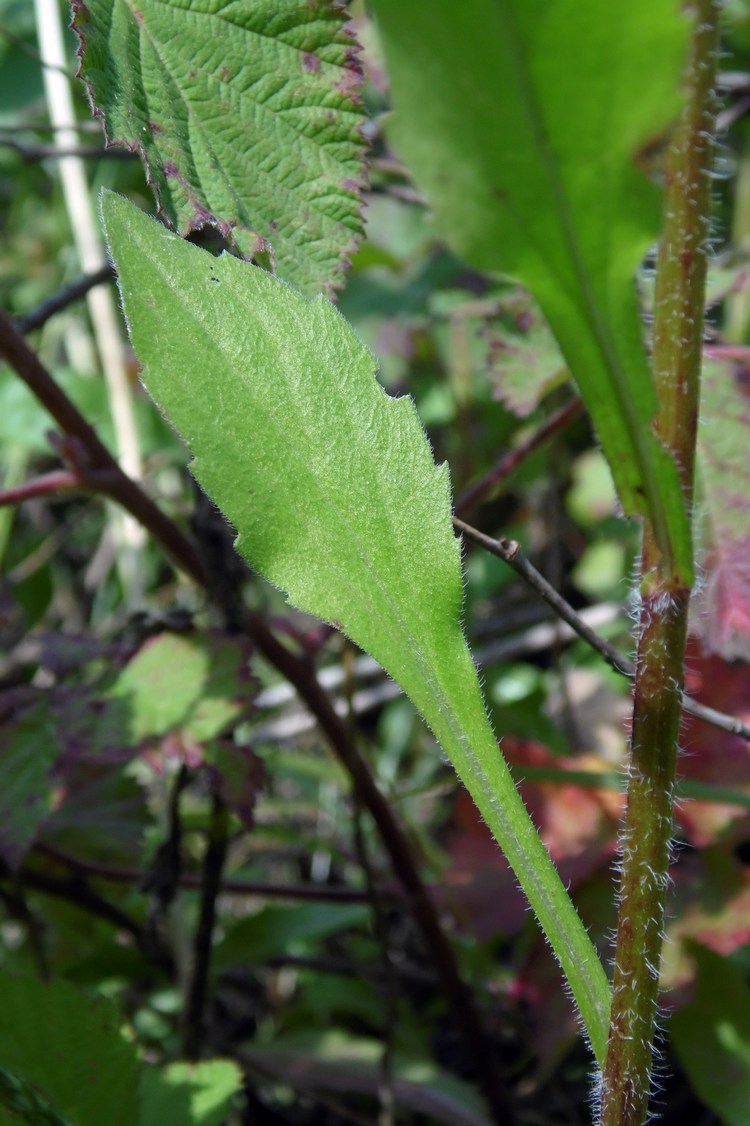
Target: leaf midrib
<point>591,310</point>
<point>410,638</point>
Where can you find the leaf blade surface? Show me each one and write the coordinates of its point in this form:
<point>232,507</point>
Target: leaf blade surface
<point>524,122</point>
<point>332,487</point>
<point>245,115</point>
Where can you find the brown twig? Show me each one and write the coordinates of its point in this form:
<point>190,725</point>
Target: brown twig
<point>122,489</point>
<point>76,890</point>
<point>61,481</point>
<point>90,453</point>
<point>64,297</point>
<point>110,874</point>
<point>510,461</point>
<point>510,551</point>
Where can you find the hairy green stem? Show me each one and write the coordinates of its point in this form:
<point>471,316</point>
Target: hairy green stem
<point>678,337</point>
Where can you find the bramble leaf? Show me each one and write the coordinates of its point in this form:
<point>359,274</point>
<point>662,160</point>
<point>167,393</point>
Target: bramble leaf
<point>70,1049</point>
<point>245,115</point>
<point>337,500</point>
<point>527,125</point>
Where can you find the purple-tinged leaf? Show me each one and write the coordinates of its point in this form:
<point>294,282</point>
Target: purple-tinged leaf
<point>246,116</point>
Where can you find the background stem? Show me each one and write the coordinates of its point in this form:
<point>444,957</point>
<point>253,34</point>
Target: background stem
<point>678,339</point>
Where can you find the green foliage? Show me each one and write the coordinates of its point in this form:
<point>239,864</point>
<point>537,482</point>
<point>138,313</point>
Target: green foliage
<point>530,162</point>
<point>191,684</point>
<point>200,1094</point>
<point>711,1035</point>
<point>724,604</point>
<point>70,1049</point>
<point>154,769</point>
<point>63,1056</point>
<point>332,488</point>
<point>246,118</point>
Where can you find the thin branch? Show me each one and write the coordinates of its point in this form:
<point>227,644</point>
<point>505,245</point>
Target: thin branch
<point>32,153</point>
<point>510,461</point>
<point>75,890</point>
<point>510,551</point>
<point>93,454</point>
<point>253,888</point>
<point>38,317</point>
<point>61,481</point>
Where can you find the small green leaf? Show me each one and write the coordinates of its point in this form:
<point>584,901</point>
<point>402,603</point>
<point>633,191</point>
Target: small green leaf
<point>277,930</point>
<point>245,115</point>
<point>189,1094</point>
<point>191,684</point>
<point>711,1036</point>
<point>524,122</point>
<point>332,487</point>
<point>70,1049</point>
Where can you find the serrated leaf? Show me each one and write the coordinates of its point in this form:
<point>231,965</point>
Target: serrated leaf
<point>524,122</point>
<point>198,1094</point>
<point>70,1049</point>
<point>245,115</point>
<point>332,487</point>
<point>524,358</point>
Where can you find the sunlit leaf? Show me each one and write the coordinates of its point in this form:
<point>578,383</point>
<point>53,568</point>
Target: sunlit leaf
<point>336,497</point>
<point>71,1049</point>
<point>245,115</point>
<point>526,124</point>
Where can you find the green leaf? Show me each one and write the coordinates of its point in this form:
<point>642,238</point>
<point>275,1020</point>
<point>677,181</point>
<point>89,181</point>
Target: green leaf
<point>524,122</point>
<point>711,1036</point>
<point>70,1049</point>
<point>198,1094</point>
<point>191,684</point>
<point>20,1102</point>
<point>245,115</point>
<point>273,930</point>
<point>332,487</point>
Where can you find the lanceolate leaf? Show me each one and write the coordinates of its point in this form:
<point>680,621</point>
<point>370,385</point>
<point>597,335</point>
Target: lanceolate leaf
<point>332,487</point>
<point>245,115</point>
<point>525,122</point>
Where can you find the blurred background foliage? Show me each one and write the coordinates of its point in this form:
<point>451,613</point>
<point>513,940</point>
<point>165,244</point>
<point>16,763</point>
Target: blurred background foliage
<point>134,741</point>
